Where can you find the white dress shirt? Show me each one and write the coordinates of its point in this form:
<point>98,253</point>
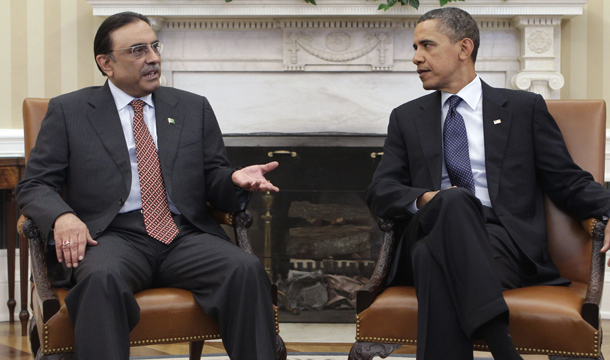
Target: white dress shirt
<point>471,109</point>
<point>122,100</point>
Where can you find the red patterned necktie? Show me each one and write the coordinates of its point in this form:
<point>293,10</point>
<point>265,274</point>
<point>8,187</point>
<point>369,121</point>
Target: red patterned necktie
<point>155,208</point>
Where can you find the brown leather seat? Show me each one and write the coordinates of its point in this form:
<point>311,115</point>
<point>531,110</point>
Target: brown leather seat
<point>167,315</point>
<point>555,321</point>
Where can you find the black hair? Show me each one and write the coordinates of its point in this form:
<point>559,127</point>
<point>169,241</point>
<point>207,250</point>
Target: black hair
<point>103,38</point>
<point>457,24</point>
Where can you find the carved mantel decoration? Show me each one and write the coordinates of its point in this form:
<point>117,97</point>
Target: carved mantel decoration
<point>358,44</point>
<point>539,72</point>
<point>352,60</point>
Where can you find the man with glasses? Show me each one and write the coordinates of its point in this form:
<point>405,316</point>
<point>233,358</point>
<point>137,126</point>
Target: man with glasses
<point>137,163</point>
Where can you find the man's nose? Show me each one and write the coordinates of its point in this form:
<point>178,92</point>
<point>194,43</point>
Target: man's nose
<point>417,58</point>
<point>152,56</point>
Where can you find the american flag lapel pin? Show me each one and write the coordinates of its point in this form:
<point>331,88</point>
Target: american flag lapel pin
<point>496,122</point>
<point>171,121</point>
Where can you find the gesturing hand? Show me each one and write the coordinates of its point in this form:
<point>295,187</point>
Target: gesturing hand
<point>71,239</point>
<point>252,178</point>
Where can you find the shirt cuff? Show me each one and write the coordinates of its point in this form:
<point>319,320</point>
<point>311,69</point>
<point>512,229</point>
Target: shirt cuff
<point>412,207</point>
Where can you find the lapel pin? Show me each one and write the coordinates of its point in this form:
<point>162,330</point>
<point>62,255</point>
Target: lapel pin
<point>496,122</point>
<point>171,121</point>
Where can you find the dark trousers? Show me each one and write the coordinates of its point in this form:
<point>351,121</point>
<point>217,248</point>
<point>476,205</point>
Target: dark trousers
<point>459,258</point>
<point>229,284</point>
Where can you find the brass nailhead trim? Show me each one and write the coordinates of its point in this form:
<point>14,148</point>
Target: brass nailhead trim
<point>277,320</point>
<point>142,342</point>
<point>593,223</point>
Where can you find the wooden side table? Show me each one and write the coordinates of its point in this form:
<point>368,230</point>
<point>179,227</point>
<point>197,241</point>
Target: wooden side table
<point>11,171</point>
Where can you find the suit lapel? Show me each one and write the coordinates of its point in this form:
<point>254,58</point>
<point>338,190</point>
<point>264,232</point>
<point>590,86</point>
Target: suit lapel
<point>104,118</point>
<point>428,124</point>
<point>170,121</point>
<point>496,135</point>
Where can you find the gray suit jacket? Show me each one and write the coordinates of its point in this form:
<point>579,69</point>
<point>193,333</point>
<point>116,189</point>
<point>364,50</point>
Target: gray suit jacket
<point>525,157</point>
<point>81,150</point>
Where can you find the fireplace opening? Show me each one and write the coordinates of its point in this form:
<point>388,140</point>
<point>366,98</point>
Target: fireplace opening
<point>316,238</point>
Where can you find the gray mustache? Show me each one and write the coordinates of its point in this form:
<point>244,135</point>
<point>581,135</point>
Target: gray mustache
<point>150,68</point>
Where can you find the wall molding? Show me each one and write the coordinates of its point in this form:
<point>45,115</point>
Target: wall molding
<point>241,24</point>
<point>11,143</point>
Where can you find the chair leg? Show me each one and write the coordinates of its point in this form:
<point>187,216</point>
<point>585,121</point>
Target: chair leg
<point>195,350</point>
<point>34,339</point>
<point>368,350</point>
<point>280,348</point>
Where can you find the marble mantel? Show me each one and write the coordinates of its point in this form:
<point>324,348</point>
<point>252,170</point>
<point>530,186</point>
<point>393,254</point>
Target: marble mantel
<point>341,66</point>
<point>274,8</point>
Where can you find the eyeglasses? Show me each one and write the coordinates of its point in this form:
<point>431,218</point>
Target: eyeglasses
<point>141,50</point>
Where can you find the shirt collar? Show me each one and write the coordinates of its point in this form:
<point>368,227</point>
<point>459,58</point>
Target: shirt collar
<point>470,94</point>
<point>121,99</point>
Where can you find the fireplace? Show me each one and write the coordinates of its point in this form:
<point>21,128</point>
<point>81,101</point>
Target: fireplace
<point>316,237</point>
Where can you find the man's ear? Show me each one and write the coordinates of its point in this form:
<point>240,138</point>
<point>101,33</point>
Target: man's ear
<point>466,48</point>
<point>104,62</point>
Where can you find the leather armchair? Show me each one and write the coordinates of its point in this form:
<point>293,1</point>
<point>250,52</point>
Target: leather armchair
<point>167,315</point>
<point>559,322</point>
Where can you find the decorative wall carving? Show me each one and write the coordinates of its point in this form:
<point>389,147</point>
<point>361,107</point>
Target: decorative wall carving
<point>540,58</point>
<point>340,45</point>
<point>540,41</point>
<point>209,24</point>
<point>338,41</point>
<point>538,82</point>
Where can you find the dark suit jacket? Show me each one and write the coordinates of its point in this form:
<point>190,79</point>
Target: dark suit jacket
<point>81,147</point>
<point>525,157</point>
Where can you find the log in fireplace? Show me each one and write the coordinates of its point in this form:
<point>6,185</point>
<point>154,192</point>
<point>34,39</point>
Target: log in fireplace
<point>316,238</point>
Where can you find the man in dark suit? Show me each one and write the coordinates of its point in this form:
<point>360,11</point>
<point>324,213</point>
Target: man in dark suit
<point>137,163</point>
<point>465,169</point>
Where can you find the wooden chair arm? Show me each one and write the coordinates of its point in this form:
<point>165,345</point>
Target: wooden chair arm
<point>239,221</point>
<point>375,286</point>
<point>243,221</point>
<point>222,217</point>
<point>590,308</point>
<point>44,293</point>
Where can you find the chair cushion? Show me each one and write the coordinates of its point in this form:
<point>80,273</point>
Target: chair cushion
<point>543,320</point>
<point>167,315</point>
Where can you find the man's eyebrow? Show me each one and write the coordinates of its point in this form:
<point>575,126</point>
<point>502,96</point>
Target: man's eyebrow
<point>422,42</point>
<point>143,43</point>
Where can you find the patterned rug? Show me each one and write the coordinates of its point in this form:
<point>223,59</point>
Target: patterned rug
<point>291,356</point>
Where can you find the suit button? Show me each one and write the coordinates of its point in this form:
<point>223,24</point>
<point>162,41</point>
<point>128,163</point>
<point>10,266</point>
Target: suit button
<point>121,202</point>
